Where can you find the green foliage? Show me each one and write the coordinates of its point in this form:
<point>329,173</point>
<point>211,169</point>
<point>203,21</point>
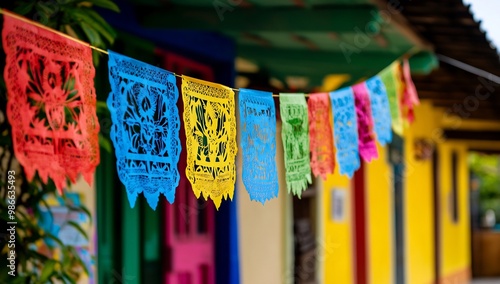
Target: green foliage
<point>76,18</point>
<point>486,168</point>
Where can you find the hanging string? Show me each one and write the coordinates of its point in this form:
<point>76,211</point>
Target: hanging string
<point>410,52</point>
<point>21,18</point>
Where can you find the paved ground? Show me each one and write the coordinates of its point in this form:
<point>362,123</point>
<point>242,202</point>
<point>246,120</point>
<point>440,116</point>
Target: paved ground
<point>486,281</point>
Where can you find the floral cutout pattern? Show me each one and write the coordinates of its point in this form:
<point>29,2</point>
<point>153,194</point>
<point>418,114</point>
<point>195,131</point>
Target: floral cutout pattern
<point>145,129</point>
<point>51,103</point>
<point>321,135</point>
<point>380,109</point>
<point>345,130</point>
<point>210,125</point>
<point>366,136</point>
<point>258,144</point>
<point>294,132</point>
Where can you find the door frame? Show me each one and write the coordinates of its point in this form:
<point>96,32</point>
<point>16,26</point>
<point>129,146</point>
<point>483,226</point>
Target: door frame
<point>226,249</point>
<point>397,160</point>
<point>359,208</point>
<point>436,190</point>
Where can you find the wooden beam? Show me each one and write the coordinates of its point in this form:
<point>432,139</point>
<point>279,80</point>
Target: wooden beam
<point>470,39</point>
<point>440,27</point>
<point>400,23</point>
<point>254,19</point>
<point>485,151</point>
<point>446,89</point>
<point>336,62</point>
<point>440,78</point>
<point>432,94</point>
<point>445,30</point>
<point>483,58</point>
<point>481,113</point>
<point>467,46</point>
<point>430,19</point>
<point>448,13</point>
<point>442,75</point>
<point>483,105</point>
<point>280,62</point>
<point>472,135</point>
<point>436,95</point>
<point>437,7</point>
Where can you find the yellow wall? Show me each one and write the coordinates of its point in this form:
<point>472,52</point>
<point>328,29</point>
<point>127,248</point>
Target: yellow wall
<point>455,245</point>
<point>418,197</point>
<point>339,268</point>
<point>379,202</point>
<point>455,235</point>
<point>337,257</point>
<point>265,231</point>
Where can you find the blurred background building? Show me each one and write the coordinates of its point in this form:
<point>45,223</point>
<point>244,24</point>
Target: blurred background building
<point>414,216</point>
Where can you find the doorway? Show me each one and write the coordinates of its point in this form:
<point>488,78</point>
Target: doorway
<point>484,201</point>
<point>304,228</point>
<point>189,227</point>
<point>396,157</point>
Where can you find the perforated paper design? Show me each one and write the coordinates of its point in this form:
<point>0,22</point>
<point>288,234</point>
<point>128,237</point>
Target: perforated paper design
<point>145,130</point>
<point>51,103</point>
<point>258,144</point>
<point>380,110</point>
<point>345,131</point>
<point>210,125</point>
<point>366,136</point>
<point>321,134</point>
<point>392,80</point>
<point>294,132</point>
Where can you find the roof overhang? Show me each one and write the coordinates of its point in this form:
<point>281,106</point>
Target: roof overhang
<point>289,38</point>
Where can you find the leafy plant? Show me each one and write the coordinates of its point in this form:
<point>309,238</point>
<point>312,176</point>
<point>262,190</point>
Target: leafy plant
<point>78,19</point>
<point>486,168</point>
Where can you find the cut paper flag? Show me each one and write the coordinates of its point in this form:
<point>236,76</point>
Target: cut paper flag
<point>321,135</point>
<point>380,110</point>
<point>410,96</point>
<point>258,144</point>
<point>210,125</point>
<point>392,81</point>
<point>345,131</point>
<point>145,130</point>
<point>366,136</point>
<point>51,103</point>
<point>294,133</point>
